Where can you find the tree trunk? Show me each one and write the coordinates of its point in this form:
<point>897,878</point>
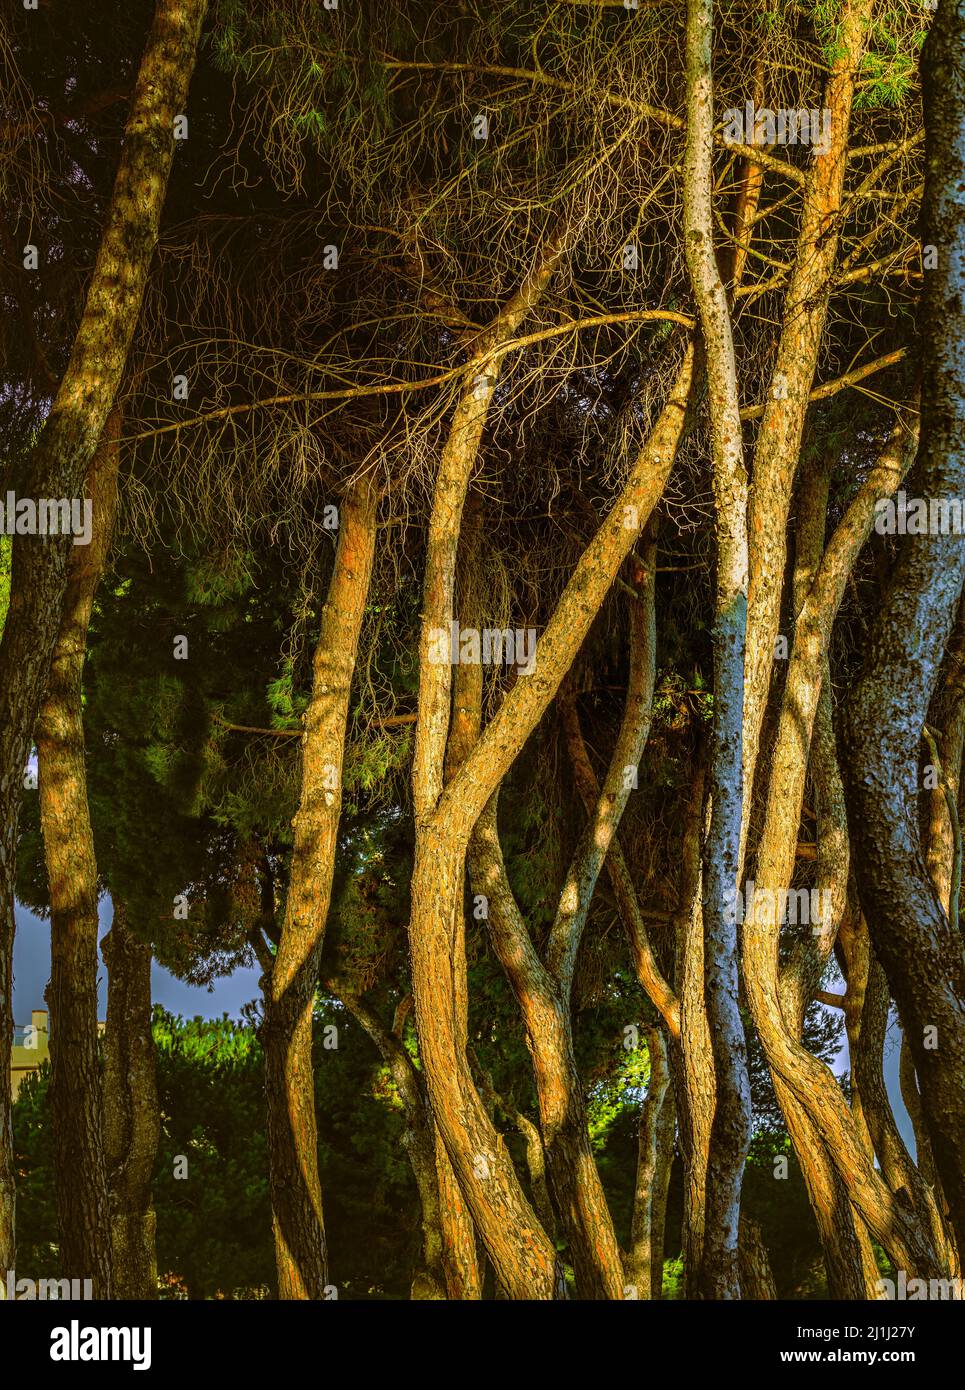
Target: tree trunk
<point>731,1129</point>
<point>76,1097</point>
<point>756,1276</point>
<point>691,1060</point>
<point>300,1251</point>
<point>429,1280</point>
<point>778,444</point>
<point>59,462</point>
<point>820,577</point>
<point>922,955</point>
<point>132,1120</point>
<point>643,1264</point>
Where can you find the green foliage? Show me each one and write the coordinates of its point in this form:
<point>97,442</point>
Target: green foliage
<point>214,1225</point>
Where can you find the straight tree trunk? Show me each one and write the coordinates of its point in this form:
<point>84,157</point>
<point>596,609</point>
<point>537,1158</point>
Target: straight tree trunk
<point>731,1129</point>
<point>923,956</point>
<point>76,1096</point>
<point>59,463</point>
<point>290,987</point>
<point>691,1060</point>
<point>643,1264</point>
<point>132,1117</point>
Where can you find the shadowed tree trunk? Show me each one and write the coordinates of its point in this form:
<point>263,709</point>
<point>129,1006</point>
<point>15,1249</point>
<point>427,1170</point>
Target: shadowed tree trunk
<point>429,1281</point>
<point>643,1262</point>
<point>290,986</point>
<point>922,954</point>
<point>756,1276</point>
<point>75,1075</point>
<point>59,462</point>
<point>132,1119</point>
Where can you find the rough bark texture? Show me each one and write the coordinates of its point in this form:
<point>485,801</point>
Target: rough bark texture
<point>75,1077</point>
<point>132,1119</point>
<point>912,937</point>
<point>778,444</point>
<point>300,1252</point>
<point>731,1128</point>
<point>63,453</point>
<point>756,1276</point>
<point>691,1059</point>
<point>897,1167</point>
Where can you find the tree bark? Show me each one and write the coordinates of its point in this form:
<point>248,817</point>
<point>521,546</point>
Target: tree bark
<point>778,444</point>
<point>132,1118</point>
<point>63,453</point>
<point>731,1128</point>
<point>290,987</point>
<point>922,956</point>
<point>76,1096</point>
<point>643,1264</point>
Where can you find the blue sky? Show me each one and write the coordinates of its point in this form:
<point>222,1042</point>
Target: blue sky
<point>31,971</point>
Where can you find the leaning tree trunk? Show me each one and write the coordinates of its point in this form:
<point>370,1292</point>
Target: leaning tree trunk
<point>63,453</point>
<point>290,986</point>
<point>132,1118</point>
<point>922,954</point>
<point>777,448</point>
<point>75,1078</point>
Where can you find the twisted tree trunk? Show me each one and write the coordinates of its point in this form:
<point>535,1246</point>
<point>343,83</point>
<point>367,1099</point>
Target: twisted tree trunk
<point>291,983</point>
